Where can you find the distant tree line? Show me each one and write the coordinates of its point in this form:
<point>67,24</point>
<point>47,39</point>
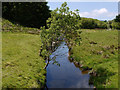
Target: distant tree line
<point>30,14</point>
<point>89,23</point>
<point>35,14</point>
<point>115,24</point>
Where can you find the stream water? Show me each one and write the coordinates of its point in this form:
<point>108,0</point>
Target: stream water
<point>61,73</point>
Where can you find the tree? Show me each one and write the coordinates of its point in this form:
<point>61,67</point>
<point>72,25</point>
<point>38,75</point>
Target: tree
<point>117,19</point>
<point>62,23</point>
<point>115,25</point>
<point>89,23</point>
<point>101,24</point>
<point>31,14</point>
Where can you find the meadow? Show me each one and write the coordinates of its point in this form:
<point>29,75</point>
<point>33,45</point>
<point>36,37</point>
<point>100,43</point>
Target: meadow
<point>29,39</point>
<point>99,50</point>
<point>22,67</point>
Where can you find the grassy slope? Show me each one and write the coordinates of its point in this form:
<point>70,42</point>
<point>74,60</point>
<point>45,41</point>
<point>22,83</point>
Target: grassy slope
<point>9,26</point>
<point>102,57</point>
<point>21,64</point>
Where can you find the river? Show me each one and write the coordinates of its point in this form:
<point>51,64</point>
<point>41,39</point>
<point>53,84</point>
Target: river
<point>61,73</point>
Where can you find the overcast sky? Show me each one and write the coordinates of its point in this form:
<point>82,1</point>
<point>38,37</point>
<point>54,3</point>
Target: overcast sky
<point>97,10</point>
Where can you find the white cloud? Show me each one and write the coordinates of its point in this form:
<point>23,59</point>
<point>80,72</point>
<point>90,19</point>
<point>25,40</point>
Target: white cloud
<point>102,13</point>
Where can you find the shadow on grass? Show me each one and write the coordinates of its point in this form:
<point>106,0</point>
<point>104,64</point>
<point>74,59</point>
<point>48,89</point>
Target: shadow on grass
<point>99,77</point>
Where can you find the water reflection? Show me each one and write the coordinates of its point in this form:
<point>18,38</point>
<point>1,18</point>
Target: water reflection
<point>61,73</point>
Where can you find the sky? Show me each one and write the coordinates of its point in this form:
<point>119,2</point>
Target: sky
<point>97,10</point>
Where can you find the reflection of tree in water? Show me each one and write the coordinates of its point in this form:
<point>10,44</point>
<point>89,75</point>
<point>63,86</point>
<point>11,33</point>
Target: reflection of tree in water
<point>58,54</point>
<point>54,61</point>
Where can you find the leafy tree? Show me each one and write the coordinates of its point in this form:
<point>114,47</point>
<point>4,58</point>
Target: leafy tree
<point>89,23</point>
<point>117,19</point>
<point>116,22</point>
<point>101,24</point>
<point>31,14</point>
<point>115,25</point>
<point>62,23</point>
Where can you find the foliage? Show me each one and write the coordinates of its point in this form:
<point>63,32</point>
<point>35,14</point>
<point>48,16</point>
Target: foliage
<point>101,24</point>
<point>61,24</point>
<point>117,19</point>
<point>115,25</point>
<point>89,23</point>
<point>30,14</point>
<point>116,22</point>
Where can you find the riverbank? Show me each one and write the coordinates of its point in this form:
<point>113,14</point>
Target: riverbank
<point>99,50</point>
<point>22,67</point>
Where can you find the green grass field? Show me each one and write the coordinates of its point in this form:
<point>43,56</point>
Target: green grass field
<point>99,50</point>
<point>22,67</point>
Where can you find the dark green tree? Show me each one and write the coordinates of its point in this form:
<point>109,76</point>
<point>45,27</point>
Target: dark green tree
<point>30,14</point>
<point>117,19</point>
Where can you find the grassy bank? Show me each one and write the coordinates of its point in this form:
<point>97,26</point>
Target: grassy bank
<point>99,50</point>
<point>22,67</point>
<point>8,26</point>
